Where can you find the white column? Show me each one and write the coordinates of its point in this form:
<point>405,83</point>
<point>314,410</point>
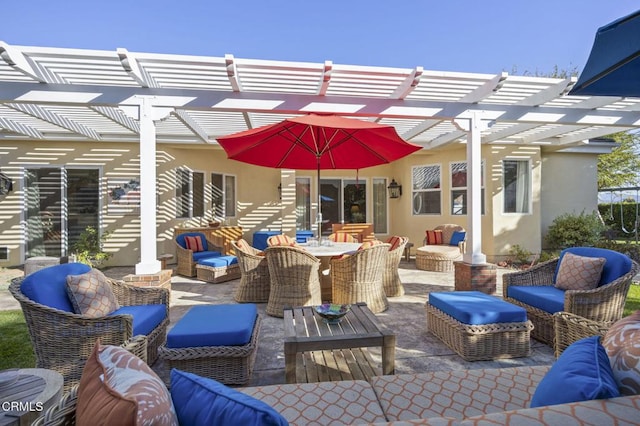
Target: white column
<point>473,253</point>
<point>149,263</point>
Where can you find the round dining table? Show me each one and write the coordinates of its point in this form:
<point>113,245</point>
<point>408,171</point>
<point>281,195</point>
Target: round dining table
<point>325,252</point>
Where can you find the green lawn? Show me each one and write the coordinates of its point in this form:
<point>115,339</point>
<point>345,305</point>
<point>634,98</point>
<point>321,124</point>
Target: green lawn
<point>633,299</point>
<point>15,346</point>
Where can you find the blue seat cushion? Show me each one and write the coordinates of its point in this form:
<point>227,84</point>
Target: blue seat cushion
<point>476,308</point>
<point>545,297</point>
<point>199,255</point>
<point>180,239</point>
<point>203,401</point>
<point>214,325</point>
<point>48,286</point>
<point>218,261</point>
<point>145,317</point>
<point>616,265</point>
<point>301,236</point>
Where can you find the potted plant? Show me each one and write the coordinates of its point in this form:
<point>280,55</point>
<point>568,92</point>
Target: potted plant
<point>89,247</point>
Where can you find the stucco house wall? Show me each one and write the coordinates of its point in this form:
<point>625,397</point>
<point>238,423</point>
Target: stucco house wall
<point>259,206</point>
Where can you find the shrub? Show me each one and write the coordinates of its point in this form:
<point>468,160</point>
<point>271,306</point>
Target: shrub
<point>88,248</point>
<point>571,230</point>
<point>519,255</point>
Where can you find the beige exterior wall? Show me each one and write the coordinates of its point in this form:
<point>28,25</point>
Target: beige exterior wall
<point>568,185</point>
<point>259,206</point>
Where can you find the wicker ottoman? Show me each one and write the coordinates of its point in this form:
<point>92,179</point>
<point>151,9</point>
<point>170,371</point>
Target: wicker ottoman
<point>218,269</point>
<point>192,342</point>
<point>437,258</point>
<point>478,326</point>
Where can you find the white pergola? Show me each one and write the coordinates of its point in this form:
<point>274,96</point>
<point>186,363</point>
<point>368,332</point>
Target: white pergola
<point>93,96</point>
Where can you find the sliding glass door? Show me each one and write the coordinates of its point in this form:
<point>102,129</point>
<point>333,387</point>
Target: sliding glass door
<point>60,204</point>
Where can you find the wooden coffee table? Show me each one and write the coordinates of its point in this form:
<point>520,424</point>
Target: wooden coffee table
<point>315,351</point>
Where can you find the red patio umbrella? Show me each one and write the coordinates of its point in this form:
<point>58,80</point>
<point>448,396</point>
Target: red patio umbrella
<point>318,142</point>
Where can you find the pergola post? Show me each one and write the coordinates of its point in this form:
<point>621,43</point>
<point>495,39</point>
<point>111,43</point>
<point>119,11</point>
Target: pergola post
<point>473,272</point>
<point>149,263</point>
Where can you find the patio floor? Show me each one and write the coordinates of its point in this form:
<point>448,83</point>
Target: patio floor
<point>416,350</point>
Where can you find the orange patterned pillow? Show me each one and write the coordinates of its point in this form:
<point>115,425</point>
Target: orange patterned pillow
<point>118,388</point>
<point>368,244</point>
<point>281,240</point>
<point>194,243</point>
<point>91,294</point>
<point>243,245</point>
<point>579,272</point>
<point>622,343</point>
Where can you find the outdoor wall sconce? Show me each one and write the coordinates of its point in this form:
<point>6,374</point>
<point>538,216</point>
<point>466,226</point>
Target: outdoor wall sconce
<point>395,190</point>
<point>6,184</point>
<point>280,191</point>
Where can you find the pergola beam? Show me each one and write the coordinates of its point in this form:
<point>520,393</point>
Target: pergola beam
<point>59,120</point>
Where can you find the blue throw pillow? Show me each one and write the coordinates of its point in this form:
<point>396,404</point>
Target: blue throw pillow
<point>202,401</point>
<point>581,373</point>
<point>457,237</point>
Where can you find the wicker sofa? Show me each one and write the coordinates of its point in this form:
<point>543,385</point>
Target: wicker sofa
<point>461,397</point>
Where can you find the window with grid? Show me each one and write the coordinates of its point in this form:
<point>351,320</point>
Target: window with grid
<point>426,190</point>
<point>459,188</point>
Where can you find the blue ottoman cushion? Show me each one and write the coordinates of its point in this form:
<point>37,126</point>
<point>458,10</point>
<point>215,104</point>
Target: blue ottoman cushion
<point>476,308</point>
<point>200,255</point>
<point>214,325</point>
<point>48,286</point>
<point>545,297</point>
<point>145,317</point>
<point>218,261</point>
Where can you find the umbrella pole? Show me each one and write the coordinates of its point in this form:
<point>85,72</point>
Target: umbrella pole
<point>319,215</point>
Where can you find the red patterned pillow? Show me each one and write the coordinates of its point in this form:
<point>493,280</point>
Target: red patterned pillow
<point>622,343</point>
<point>91,294</point>
<point>194,243</point>
<point>118,388</point>
<point>395,242</point>
<point>434,237</point>
<point>579,272</point>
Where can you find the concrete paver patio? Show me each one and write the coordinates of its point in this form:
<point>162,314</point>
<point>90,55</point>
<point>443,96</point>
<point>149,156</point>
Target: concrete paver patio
<point>417,350</point>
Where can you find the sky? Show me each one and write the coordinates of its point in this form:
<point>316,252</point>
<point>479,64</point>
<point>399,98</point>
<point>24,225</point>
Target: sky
<point>480,36</point>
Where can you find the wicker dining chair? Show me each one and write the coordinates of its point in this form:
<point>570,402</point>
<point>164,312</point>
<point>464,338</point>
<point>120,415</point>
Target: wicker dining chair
<point>391,278</point>
<point>295,279</point>
<point>358,277</point>
<point>63,341</point>
<point>255,282</point>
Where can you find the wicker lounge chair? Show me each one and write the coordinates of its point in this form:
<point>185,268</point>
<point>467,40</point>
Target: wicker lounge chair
<point>62,341</point>
<point>254,274</point>
<point>570,328</point>
<point>358,277</point>
<point>440,257</point>
<point>391,279</point>
<point>604,304</point>
<point>295,279</point>
<point>188,259</point>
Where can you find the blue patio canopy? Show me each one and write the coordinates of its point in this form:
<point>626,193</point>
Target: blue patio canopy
<point>613,67</point>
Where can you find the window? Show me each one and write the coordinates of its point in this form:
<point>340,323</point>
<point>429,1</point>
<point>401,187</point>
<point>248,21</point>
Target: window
<point>517,186</point>
<point>223,195</point>
<point>303,203</point>
<point>459,188</point>
<point>426,193</point>
<point>189,193</point>
<point>380,206</point>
